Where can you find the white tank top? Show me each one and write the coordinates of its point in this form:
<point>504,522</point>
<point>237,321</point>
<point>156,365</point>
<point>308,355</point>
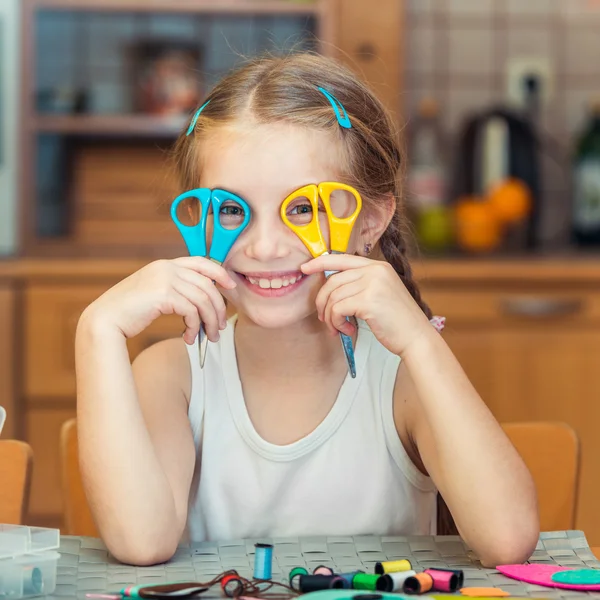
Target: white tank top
<point>350,476</point>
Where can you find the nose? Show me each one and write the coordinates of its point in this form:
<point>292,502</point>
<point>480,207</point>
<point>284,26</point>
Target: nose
<point>266,240</point>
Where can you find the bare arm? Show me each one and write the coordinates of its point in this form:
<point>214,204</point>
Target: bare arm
<point>482,478</point>
<point>136,447</point>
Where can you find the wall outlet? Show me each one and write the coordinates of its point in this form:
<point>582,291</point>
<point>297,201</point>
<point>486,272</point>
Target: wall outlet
<point>517,71</point>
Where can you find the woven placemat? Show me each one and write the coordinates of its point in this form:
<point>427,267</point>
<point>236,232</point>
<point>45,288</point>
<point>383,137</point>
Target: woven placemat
<point>86,566</point>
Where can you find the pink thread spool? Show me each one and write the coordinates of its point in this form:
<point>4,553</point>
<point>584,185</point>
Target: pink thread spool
<point>323,570</point>
<point>443,581</point>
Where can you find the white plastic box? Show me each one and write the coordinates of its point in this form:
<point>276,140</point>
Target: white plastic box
<point>28,561</point>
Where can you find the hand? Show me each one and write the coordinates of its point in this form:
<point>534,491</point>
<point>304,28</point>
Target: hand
<point>372,291</point>
<point>183,286</point>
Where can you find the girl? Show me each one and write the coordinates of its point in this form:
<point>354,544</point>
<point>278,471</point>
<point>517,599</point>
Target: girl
<point>272,437</point>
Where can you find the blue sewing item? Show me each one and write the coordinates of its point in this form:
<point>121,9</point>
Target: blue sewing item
<point>342,117</point>
<point>263,561</point>
<point>231,215</point>
<point>195,119</point>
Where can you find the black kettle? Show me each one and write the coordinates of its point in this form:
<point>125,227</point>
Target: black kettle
<point>515,149</point>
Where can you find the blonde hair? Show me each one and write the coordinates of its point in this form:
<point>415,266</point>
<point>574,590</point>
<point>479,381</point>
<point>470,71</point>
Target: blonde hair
<point>284,89</point>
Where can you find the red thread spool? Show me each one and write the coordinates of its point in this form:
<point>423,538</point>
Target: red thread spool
<point>231,585</point>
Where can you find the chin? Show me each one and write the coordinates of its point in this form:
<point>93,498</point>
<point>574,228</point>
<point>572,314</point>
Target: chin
<point>276,317</point>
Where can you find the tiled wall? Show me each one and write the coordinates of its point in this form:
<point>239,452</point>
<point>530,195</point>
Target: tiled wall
<point>457,51</point>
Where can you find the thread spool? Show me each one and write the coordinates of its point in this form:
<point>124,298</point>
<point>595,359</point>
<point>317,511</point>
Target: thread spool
<point>365,581</point>
<point>315,583</point>
<point>33,581</point>
<point>263,561</point>
<point>349,577</point>
<point>420,583</point>
<point>323,570</point>
<point>232,585</point>
<point>295,577</point>
<point>393,582</point>
<point>393,566</point>
<point>443,581</point>
<point>460,575</point>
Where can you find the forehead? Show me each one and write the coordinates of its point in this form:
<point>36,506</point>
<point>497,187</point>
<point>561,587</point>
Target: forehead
<point>257,160</point>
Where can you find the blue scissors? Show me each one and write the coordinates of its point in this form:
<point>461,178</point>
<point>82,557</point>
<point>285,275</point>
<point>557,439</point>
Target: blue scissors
<point>231,216</point>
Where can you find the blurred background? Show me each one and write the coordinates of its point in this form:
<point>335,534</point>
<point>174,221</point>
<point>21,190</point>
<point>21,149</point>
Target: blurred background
<point>498,106</point>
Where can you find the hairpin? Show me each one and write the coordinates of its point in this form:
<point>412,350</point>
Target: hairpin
<point>195,119</point>
<point>342,117</point>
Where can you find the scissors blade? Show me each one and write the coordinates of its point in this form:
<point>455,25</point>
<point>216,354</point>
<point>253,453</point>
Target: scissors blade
<point>347,344</point>
<point>202,345</point>
<point>349,352</point>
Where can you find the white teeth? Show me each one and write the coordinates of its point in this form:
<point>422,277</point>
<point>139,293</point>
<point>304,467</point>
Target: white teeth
<point>275,284</point>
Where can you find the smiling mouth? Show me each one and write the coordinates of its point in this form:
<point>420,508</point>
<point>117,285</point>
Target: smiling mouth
<point>273,281</point>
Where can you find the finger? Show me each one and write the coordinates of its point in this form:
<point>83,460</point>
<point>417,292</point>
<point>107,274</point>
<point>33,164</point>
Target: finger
<point>338,313</point>
<point>335,262</point>
<point>208,268</point>
<point>199,298</point>
<point>210,289</point>
<point>181,306</point>
<point>335,319</point>
<point>333,283</point>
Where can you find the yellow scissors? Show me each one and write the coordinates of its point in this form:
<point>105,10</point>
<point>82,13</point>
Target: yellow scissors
<point>300,212</point>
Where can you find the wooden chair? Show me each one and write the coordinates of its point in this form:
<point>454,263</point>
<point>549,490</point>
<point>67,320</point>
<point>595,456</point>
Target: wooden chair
<point>551,453</point>
<point>16,464</point>
<point>78,518</point>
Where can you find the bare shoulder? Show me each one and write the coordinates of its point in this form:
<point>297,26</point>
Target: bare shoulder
<point>408,415</point>
<point>164,366</point>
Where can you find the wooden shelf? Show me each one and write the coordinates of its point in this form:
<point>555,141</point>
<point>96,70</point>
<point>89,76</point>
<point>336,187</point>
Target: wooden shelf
<point>292,7</point>
<point>110,125</point>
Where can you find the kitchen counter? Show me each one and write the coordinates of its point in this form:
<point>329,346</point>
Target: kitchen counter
<point>574,267</point>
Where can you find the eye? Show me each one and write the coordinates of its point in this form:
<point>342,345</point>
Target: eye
<point>231,215</point>
<point>301,209</point>
<point>232,209</point>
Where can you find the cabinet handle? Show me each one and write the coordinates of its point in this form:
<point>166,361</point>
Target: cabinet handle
<point>366,51</point>
<point>540,308</point>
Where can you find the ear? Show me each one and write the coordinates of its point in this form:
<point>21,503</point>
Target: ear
<point>375,220</point>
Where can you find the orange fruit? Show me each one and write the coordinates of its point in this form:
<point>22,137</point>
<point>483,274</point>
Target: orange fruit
<point>477,227</point>
<point>510,200</point>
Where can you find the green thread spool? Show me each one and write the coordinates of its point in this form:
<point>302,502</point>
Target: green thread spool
<point>295,577</point>
<point>365,581</point>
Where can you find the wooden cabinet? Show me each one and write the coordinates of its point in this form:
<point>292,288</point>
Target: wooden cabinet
<point>532,350</point>
<point>371,43</point>
<point>44,371</point>
<point>8,362</point>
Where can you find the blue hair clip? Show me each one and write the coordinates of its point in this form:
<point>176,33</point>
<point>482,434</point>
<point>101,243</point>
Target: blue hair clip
<point>342,117</point>
<point>195,119</point>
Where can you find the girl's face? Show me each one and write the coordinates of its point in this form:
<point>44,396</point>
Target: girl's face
<point>263,164</point>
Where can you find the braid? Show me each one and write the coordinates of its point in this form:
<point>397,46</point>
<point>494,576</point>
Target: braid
<point>393,248</point>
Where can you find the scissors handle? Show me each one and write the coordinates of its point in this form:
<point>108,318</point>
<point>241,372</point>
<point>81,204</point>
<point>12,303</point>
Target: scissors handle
<point>340,228</point>
<point>309,232</point>
<point>224,237</point>
<point>194,236</point>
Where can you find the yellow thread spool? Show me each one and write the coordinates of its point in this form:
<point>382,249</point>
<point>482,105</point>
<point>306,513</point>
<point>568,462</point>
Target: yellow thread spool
<point>393,566</point>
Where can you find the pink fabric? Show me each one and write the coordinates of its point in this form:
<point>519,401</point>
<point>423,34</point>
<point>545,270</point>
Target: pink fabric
<point>542,575</point>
